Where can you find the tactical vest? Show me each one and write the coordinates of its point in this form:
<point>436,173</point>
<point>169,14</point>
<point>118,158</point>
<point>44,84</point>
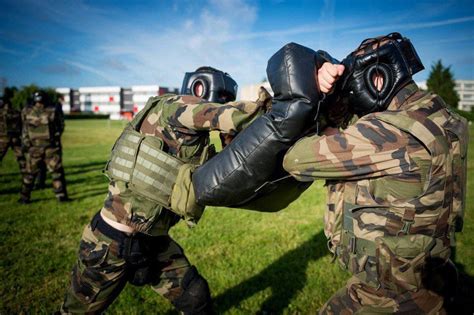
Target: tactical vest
<point>140,161</point>
<point>40,124</point>
<point>386,243</point>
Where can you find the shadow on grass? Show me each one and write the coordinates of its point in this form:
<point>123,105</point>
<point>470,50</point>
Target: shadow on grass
<point>11,190</point>
<point>464,301</point>
<point>6,178</point>
<point>90,194</point>
<point>85,168</point>
<point>285,277</point>
<point>87,180</point>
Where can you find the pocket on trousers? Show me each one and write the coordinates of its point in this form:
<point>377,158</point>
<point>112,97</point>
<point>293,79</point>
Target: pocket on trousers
<point>93,254</point>
<point>400,261</point>
<point>89,273</point>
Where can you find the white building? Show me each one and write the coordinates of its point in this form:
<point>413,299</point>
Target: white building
<point>65,99</point>
<point>141,94</point>
<point>465,89</point>
<point>101,100</point>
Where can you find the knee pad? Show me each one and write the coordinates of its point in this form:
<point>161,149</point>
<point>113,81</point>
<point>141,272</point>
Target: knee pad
<point>196,297</point>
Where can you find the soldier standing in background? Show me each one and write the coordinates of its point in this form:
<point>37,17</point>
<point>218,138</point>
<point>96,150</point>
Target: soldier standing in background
<point>128,240</point>
<point>396,183</point>
<point>10,132</point>
<point>41,139</point>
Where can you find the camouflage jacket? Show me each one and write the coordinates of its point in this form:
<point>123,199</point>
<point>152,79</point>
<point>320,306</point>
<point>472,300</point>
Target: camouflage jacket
<point>10,121</point>
<point>42,126</point>
<point>396,182</point>
<point>183,124</point>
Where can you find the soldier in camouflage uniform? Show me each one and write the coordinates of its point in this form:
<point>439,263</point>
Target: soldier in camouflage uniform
<point>128,240</point>
<point>42,127</point>
<point>10,133</point>
<point>396,183</point>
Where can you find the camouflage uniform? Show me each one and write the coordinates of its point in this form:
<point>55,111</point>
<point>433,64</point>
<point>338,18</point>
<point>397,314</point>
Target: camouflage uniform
<point>182,123</point>
<point>41,133</point>
<point>10,133</point>
<point>396,185</point>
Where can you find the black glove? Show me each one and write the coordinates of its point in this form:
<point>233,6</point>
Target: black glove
<point>256,154</point>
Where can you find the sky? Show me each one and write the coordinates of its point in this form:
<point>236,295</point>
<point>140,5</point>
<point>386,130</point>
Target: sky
<point>124,43</point>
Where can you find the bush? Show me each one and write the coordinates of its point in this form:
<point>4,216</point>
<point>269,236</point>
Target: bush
<point>86,116</point>
<point>468,115</point>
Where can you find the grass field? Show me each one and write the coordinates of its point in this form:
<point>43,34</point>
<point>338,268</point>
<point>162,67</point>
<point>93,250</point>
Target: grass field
<point>255,262</point>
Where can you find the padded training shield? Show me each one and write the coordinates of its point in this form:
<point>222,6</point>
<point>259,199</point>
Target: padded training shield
<point>255,155</point>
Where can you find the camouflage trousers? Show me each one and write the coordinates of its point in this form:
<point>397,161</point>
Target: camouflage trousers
<point>100,273</point>
<point>52,158</point>
<point>13,142</point>
<point>358,297</point>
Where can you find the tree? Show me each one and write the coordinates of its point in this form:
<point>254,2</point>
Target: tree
<point>24,96</point>
<point>9,92</point>
<point>441,82</point>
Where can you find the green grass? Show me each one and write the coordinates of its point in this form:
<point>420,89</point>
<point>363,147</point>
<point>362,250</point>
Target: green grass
<point>254,262</point>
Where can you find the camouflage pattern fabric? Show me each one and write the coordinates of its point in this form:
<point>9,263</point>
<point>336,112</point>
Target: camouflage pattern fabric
<point>183,124</point>
<point>15,144</point>
<point>52,158</point>
<point>358,298</point>
<point>396,185</point>
<point>41,131</point>
<point>10,131</point>
<point>100,273</point>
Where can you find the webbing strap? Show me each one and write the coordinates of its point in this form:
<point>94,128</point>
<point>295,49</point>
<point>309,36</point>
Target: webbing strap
<point>358,245</point>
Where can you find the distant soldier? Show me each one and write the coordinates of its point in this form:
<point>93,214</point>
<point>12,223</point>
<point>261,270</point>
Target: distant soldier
<point>41,138</point>
<point>128,240</point>
<point>10,132</point>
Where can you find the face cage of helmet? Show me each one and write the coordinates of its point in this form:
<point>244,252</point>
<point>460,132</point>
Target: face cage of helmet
<point>378,73</point>
<point>39,99</point>
<point>199,89</point>
<point>377,78</point>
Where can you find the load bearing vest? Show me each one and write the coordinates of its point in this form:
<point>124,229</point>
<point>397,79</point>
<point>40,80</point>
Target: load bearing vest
<point>415,229</point>
<point>39,124</point>
<point>140,161</point>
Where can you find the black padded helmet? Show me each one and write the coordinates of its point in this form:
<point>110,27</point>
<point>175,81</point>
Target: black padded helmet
<point>210,84</point>
<point>40,97</point>
<point>391,56</point>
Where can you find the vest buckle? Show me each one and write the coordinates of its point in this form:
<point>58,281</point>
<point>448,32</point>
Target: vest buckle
<point>352,244</point>
<point>405,230</point>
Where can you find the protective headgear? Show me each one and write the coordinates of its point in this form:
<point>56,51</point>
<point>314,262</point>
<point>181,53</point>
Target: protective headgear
<point>392,57</point>
<point>210,84</point>
<point>40,97</point>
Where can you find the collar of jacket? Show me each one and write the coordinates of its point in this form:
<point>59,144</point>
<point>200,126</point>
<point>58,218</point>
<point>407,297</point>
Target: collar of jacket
<point>402,96</point>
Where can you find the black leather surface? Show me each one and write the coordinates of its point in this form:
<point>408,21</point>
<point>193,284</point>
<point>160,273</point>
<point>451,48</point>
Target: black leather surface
<point>256,154</point>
